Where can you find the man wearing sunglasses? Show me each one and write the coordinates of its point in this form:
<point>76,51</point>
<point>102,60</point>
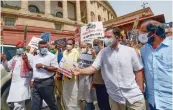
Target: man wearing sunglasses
<point>121,71</point>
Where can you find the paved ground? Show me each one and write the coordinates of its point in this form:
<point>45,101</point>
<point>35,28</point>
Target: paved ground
<point>96,107</point>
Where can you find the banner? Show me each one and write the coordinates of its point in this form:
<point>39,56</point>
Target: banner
<point>45,36</point>
<point>132,34</point>
<point>61,42</point>
<point>85,60</point>
<point>93,30</point>
<point>66,67</point>
<point>34,42</point>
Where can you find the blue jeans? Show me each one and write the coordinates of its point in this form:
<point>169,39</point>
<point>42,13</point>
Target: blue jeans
<point>152,108</point>
<point>102,97</point>
<point>89,106</point>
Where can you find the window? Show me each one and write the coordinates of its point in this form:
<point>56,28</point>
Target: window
<point>99,18</point>
<point>58,26</point>
<point>92,16</point>
<point>2,4</point>
<point>33,8</point>
<point>9,21</point>
<point>60,4</point>
<point>59,14</point>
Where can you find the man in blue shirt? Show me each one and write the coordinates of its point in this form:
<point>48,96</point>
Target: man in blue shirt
<point>157,60</point>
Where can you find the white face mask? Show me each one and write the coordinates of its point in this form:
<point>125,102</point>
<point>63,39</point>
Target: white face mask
<point>109,41</point>
<point>69,47</point>
<point>143,38</point>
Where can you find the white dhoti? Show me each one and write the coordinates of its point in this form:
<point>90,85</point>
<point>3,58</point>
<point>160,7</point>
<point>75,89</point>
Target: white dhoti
<point>70,95</point>
<point>85,91</point>
<point>19,105</point>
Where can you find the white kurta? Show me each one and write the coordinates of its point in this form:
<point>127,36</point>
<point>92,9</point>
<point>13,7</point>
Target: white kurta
<point>19,89</point>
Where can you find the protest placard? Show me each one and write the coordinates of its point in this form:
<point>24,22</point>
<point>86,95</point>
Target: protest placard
<point>65,67</point>
<point>61,42</point>
<point>34,42</point>
<point>93,30</point>
<point>85,60</point>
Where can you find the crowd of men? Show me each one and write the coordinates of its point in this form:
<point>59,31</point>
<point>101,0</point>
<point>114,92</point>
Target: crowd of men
<point>120,77</point>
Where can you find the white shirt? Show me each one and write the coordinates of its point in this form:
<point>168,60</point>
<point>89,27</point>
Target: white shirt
<point>47,60</point>
<point>117,67</point>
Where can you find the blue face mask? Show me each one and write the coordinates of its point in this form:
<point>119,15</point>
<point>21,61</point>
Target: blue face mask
<point>19,51</point>
<point>96,48</point>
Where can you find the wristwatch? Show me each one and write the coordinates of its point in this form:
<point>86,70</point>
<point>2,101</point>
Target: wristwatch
<point>43,66</point>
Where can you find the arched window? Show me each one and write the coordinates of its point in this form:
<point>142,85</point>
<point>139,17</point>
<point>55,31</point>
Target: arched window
<point>2,4</point>
<point>59,14</point>
<point>33,8</point>
<point>92,16</point>
<point>99,18</point>
<point>60,4</point>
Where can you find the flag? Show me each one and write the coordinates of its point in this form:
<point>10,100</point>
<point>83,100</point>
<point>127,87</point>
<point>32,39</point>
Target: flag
<point>45,36</point>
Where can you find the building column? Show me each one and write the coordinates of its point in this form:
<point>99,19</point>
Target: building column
<point>47,7</point>
<point>96,11</point>
<point>65,11</point>
<point>24,5</point>
<point>78,14</point>
<point>110,17</point>
<point>88,11</point>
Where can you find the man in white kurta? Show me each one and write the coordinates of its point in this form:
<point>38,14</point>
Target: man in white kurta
<point>19,89</point>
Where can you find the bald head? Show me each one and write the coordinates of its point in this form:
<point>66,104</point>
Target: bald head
<point>83,45</point>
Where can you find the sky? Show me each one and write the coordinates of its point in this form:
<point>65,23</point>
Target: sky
<point>158,7</point>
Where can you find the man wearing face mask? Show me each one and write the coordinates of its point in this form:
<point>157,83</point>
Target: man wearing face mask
<point>121,71</point>
<point>70,86</point>
<point>85,81</point>
<point>44,65</point>
<point>19,89</point>
<point>157,60</point>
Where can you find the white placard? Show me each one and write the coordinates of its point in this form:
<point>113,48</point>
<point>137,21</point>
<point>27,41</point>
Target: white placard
<point>85,60</point>
<point>93,30</point>
<point>34,42</point>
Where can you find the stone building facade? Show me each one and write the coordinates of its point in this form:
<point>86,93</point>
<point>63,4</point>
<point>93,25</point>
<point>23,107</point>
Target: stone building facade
<point>59,17</point>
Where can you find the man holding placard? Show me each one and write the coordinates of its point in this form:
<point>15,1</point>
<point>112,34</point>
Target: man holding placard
<point>70,85</point>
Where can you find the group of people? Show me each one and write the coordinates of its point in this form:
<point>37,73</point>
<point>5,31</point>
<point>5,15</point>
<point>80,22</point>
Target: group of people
<point>117,76</point>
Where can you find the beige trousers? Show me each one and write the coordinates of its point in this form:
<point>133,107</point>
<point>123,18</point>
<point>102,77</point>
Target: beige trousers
<point>139,105</point>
